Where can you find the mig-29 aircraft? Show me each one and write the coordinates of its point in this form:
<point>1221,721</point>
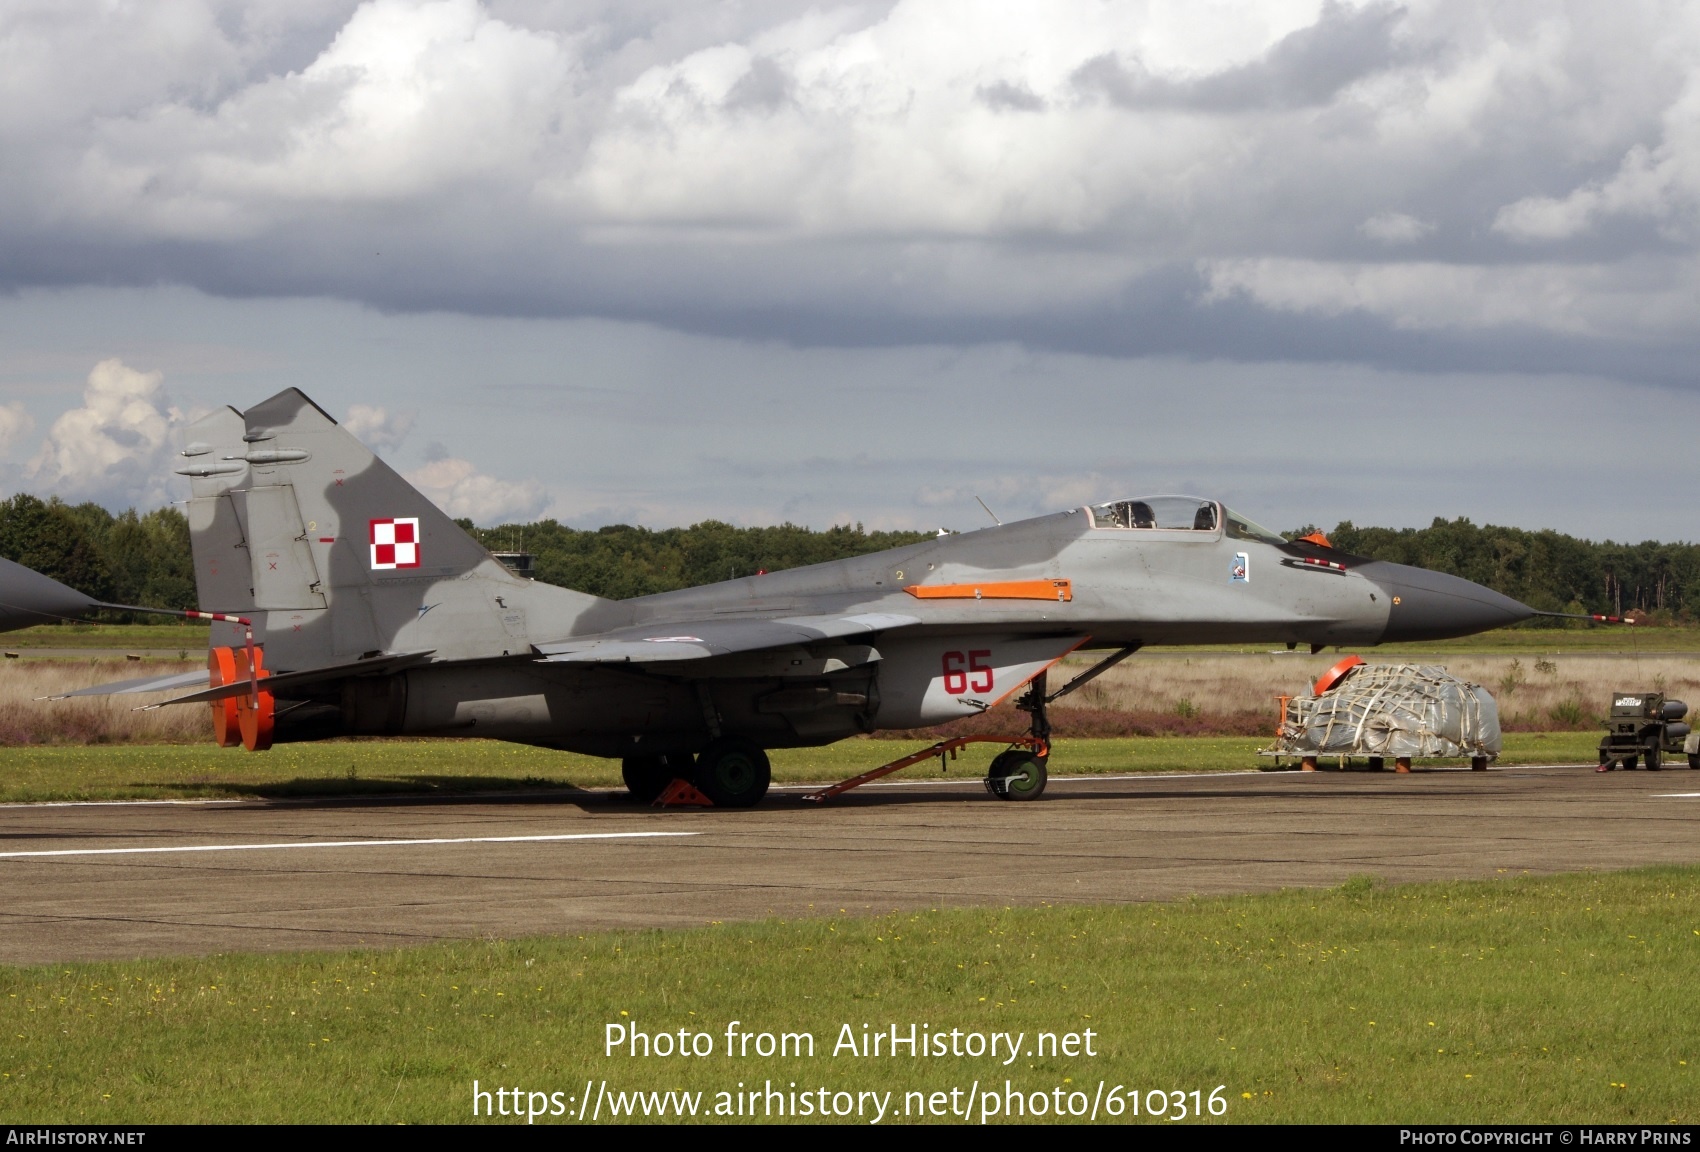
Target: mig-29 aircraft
<point>345,603</point>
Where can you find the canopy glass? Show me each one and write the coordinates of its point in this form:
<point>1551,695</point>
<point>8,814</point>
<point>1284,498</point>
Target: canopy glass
<point>1179,513</point>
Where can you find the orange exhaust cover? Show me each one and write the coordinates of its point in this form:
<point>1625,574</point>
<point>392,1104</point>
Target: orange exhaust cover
<point>254,711</point>
<point>221,670</point>
<point>244,719</point>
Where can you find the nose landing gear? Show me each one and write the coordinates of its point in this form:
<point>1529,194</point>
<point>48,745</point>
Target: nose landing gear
<point>1017,775</point>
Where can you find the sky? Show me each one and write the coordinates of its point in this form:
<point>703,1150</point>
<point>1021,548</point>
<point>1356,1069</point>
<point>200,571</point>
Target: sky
<point>656,263</point>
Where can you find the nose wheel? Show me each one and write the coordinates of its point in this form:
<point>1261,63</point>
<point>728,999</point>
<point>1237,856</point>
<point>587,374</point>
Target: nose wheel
<point>1017,775</point>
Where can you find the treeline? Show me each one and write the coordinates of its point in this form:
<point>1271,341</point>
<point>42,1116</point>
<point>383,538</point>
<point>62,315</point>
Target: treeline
<point>620,561</point>
<point>145,559</point>
<point>130,558</point>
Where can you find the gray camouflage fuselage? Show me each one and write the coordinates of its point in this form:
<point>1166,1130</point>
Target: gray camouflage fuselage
<point>289,512</point>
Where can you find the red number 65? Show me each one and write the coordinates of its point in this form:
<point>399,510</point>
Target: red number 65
<point>957,666</point>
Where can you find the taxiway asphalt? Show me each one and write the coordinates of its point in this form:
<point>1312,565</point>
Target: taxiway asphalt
<point>112,881</point>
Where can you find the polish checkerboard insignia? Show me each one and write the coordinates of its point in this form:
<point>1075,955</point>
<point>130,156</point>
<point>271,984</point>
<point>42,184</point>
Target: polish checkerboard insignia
<point>395,542</point>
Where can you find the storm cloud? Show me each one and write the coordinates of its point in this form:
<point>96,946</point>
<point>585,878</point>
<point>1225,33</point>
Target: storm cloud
<point>883,173</point>
<point>1433,190</point>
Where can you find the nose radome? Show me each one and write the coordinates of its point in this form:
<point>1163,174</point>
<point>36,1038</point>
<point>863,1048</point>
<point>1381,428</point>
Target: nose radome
<point>27,597</point>
<point>1426,605</point>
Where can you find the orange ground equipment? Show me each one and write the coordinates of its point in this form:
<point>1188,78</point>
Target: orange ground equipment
<point>682,793</point>
<point>1334,675</point>
<point>221,668</point>
<point>254,708</point>
<point>244,719</point>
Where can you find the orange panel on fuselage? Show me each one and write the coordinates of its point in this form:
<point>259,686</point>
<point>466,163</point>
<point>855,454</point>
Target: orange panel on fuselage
<point>995,590</point>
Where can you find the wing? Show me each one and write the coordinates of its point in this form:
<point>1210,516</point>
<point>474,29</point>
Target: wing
<point>645,644</point>
<point>699,639</point>
<point>280,684</point>
<point>273,684</point>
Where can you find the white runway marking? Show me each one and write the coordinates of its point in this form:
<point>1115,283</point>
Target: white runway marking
<point>110,803</point>
<point>1675,795</point>
<point>341,844</point>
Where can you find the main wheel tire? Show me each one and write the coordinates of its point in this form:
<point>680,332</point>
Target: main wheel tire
<point>1629,762</point>
<point>646,776</point>
<point>733,773</point>
<point>1016,775</point>
<point>1654,760</point>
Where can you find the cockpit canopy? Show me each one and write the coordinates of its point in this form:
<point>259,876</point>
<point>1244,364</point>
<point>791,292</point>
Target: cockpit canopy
<point>1179,513</point>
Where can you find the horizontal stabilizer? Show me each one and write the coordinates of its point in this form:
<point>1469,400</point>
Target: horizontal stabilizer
<point>280,684</point>
<point>698,639</point>
<point>146,684</point>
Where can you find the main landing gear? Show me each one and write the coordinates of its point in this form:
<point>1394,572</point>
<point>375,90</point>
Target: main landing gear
<point>646,776</point>
<point>732,773</point>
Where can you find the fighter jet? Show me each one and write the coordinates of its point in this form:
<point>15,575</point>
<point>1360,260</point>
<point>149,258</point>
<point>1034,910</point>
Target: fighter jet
<point>345,603</point>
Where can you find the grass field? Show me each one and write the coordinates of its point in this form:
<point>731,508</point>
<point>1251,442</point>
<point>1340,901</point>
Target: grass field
<point>1527,1000</point>
<point>1521,1000</point>
<point>360,767</point>
<point>138,636</point>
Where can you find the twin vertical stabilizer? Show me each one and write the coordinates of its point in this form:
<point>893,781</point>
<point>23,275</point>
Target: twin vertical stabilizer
<point>336,556</point>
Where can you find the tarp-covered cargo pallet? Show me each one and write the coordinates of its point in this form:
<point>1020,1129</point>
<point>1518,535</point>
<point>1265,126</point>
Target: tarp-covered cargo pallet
<point>1377,712</point>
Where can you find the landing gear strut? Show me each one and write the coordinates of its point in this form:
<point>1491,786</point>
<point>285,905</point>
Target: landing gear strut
<point>1020,774</point>
<point>1033,703</point>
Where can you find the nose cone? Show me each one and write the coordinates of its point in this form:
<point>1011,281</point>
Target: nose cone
<point>1426,605</point>
<point>27,597</point>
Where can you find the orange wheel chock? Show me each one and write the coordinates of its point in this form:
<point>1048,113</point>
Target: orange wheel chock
<point>682,794</point>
